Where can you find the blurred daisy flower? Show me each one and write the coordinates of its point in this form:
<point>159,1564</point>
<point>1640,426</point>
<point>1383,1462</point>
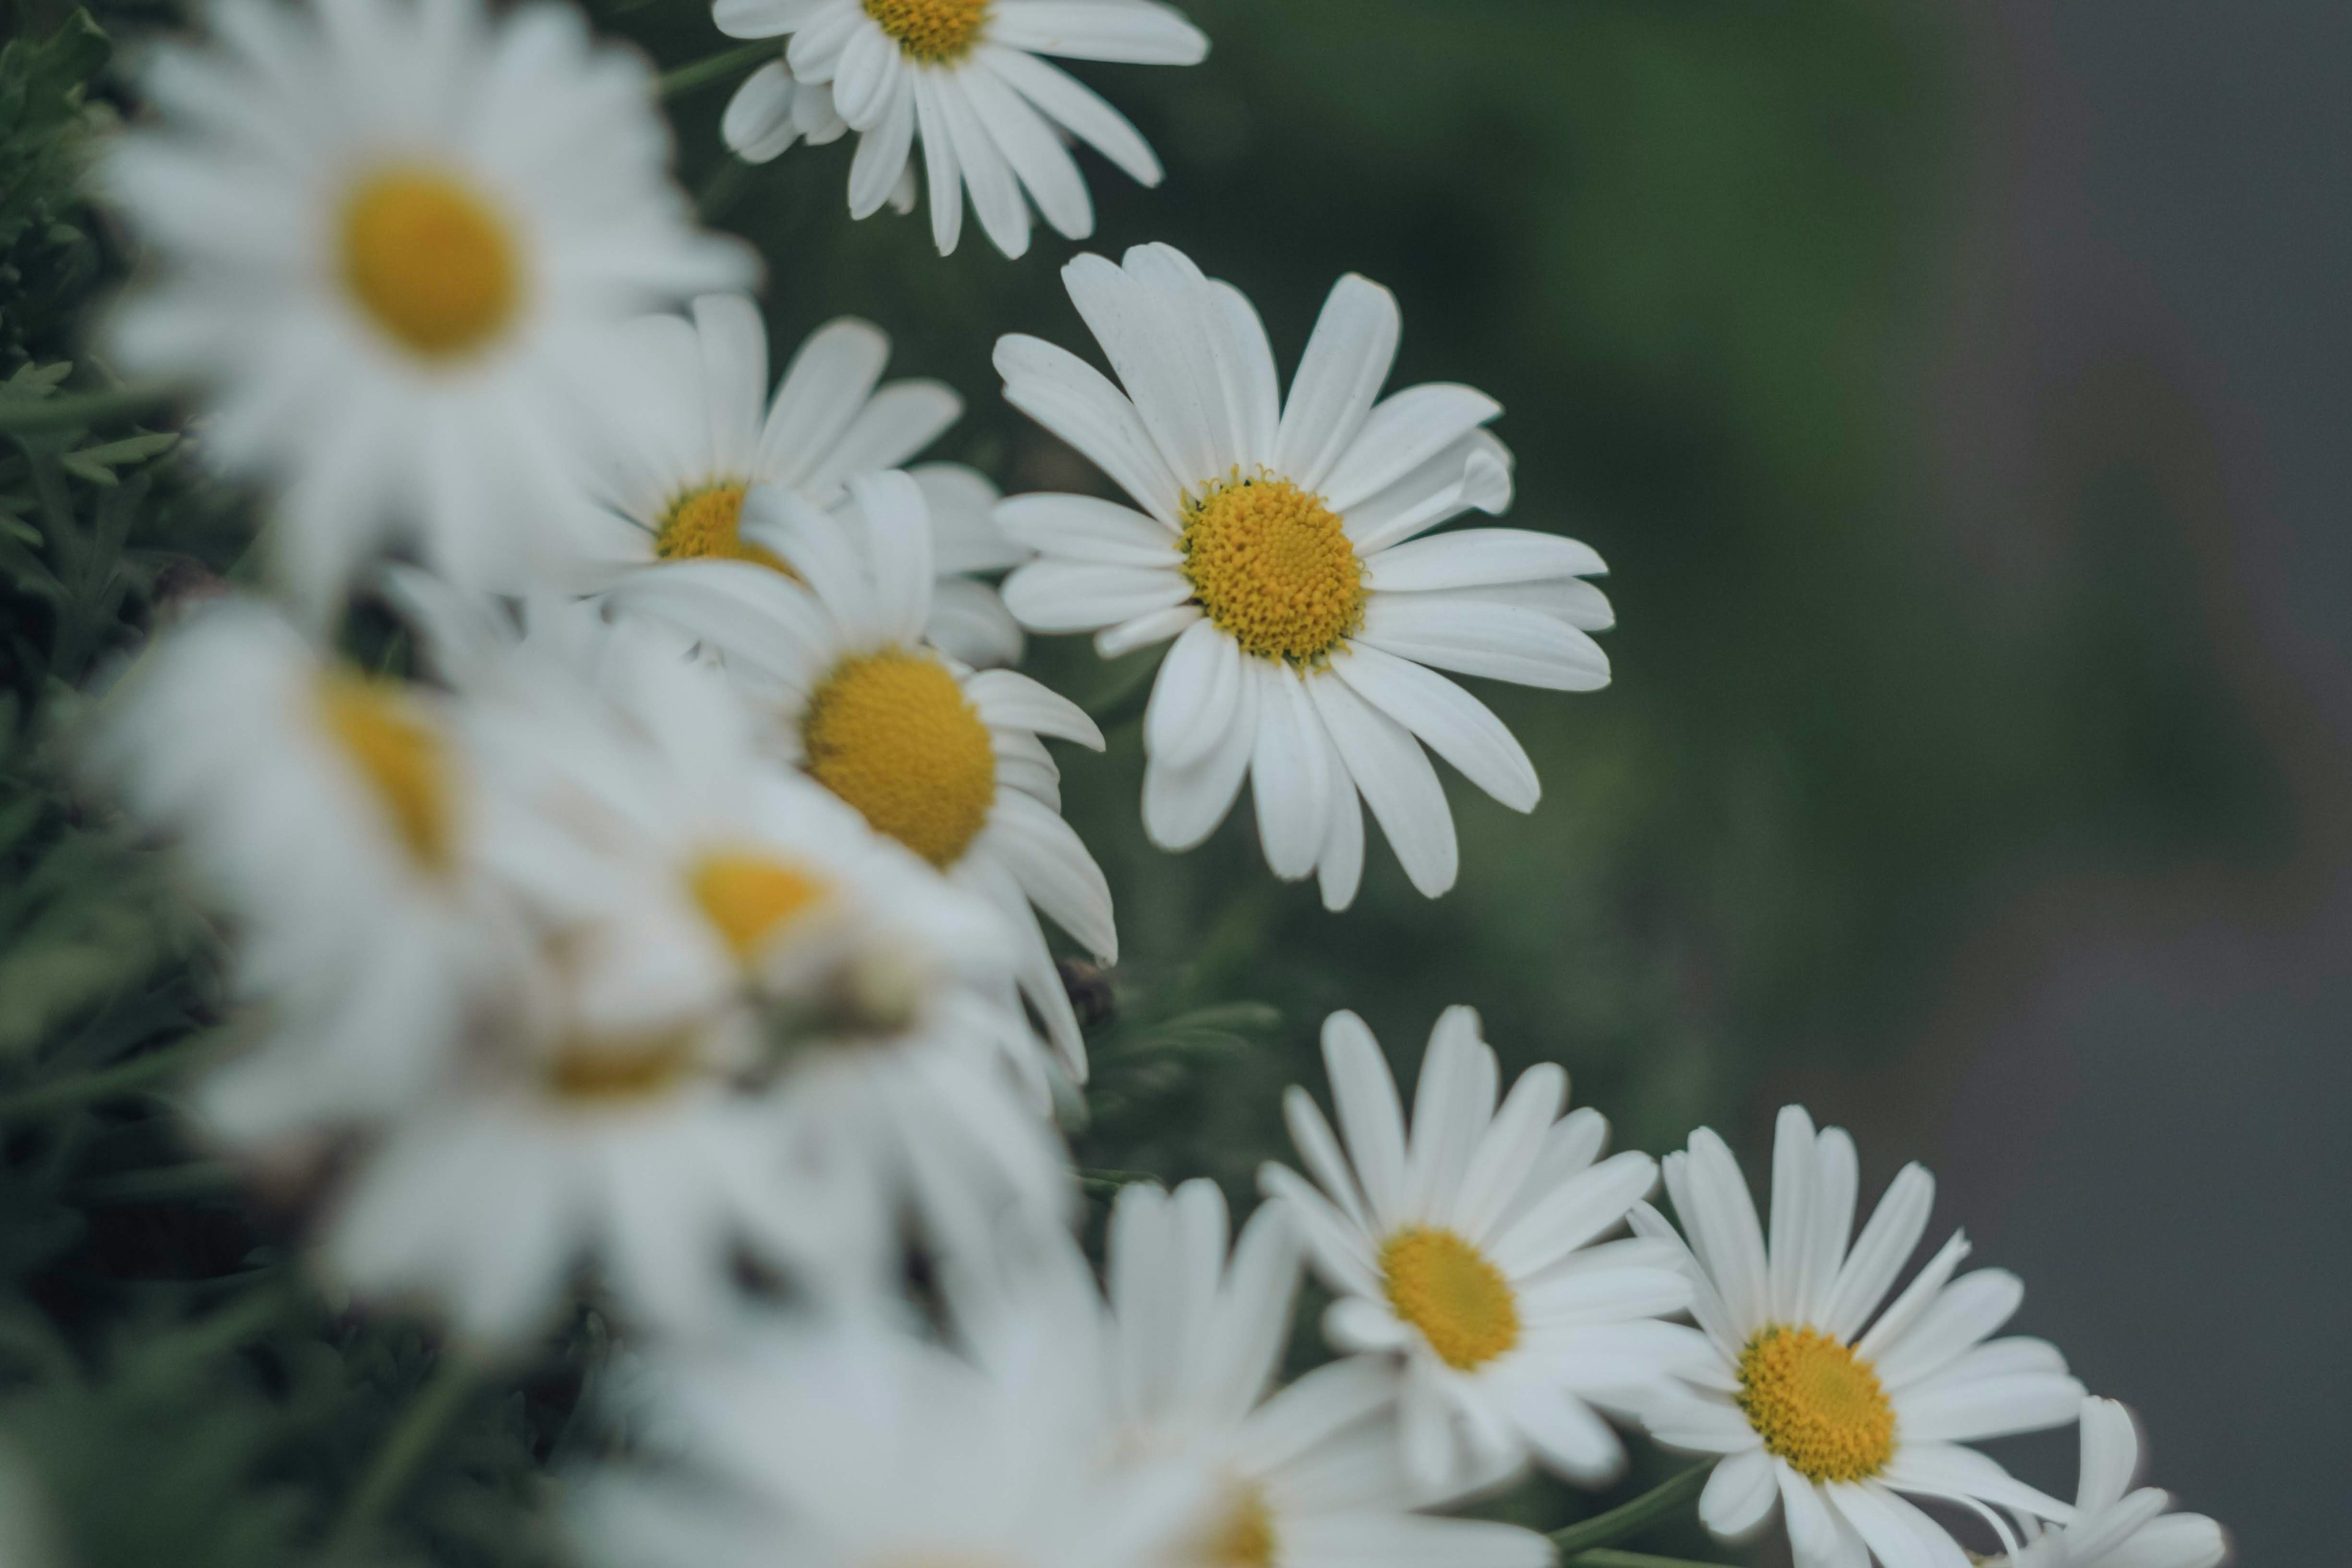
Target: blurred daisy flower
<point>949,761</point>
<point>1307,1477</point>
<point>703,429</point>
<point>1815,1415</point>
<point>965,78</point>
<point>393,238</point>
<point>337,819</point>
<point>1472,1249</point>
<point>848,1444</point>
<point>2115,1524</point>
<point>1277,544</point>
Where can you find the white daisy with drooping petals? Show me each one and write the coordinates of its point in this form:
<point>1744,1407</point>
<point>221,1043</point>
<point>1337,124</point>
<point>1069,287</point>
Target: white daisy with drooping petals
<point>337,819</point>
<point>1472,1250</point>
<point>703,429</point>
<point>1279,545</point>
<point>394,239</point>
<point>843,1443</point>
<point>1817,1416</point>
<point>965,79</point>
<point>2117,1524</point>
<point>1307,1477</point>
<point>950,762</point>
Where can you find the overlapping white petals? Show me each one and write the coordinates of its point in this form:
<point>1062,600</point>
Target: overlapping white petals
<point>994,119</point>
<point>1320,740</point>
<point>1946,1380</point>
<point>239,190</point>
<point>1525,1190</point>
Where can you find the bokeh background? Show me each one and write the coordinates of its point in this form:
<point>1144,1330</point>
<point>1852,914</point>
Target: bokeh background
<point>1958,392</point>
<point>1957,389</point>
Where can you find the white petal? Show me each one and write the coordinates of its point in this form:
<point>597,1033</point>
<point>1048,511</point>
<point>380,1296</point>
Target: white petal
<point>1477,557</point>
<point>1143,35</point>
<point>1740,1494</point>
<point>1498,641</point>
<point>942,171</point>
<point>1052,594</point>
<point>1182,805</point>
<point>1195,691</point>
<point>1082,528</point>
<point>1053,868</point>
<point>898,534</point>
<point>1036,153</point>
<point>1393,774</point>
<point>1880,1253</point>
<point>1447,720</point>
<point>1071,399</point>
<point>881,168</point>
<point>1370,1118</point>
<point>1009,699</point>
<point>1401,433</point>
<point>995,192</point>
<point>1290,777</point>
<point>1347,358</point>
<point>1076,108</point>
<point>824,386</point>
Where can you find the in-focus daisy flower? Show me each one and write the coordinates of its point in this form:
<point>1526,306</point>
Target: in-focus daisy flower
<point>336,817</point>
<point>394,238</point>
<point>1814,1414</point>
<point>843,1445</point>
<point>1468,1249</point>
<point>1276,544</point>
<point>702,430</point>
<point>756,1021</point>
<point>965,79</point>
<point>2116,1525</point>
<point>948,761</point>
<point>1308,1477</point>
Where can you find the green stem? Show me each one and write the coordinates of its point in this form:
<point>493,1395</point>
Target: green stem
<point>725,63</point>
<point>1627,1518</point>
<point>454,1381</point>
<point>30,416</point>
<point>1604,1557</point>
<point>65,1093</point>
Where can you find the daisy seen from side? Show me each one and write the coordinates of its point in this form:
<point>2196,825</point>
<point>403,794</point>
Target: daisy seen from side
<point>1280,545</point>
<point>949,761</point>
<point>1185,1351</point>
<point>2118,1524</point>
<point>337,817</point>
<point>1472,1252</point>
<point>967,80</point>
<point>704,429</point>
<point>1832,1423</point>
<point>393,240</point>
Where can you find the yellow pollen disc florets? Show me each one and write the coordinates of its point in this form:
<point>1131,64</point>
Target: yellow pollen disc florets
<point>1445,1288</point>
<point>402,759</point>
<point>604,1071</point>
<point>937,32</point>
<point>432,265</point>
<point>750,896</point>
<point>1816,1404</point>
<point>1272,568</point>
<point>706,525</point>
<point>892,734</point>
<point>1244,1536</point>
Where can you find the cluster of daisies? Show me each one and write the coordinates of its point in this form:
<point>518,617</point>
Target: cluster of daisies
<point>667,924</point>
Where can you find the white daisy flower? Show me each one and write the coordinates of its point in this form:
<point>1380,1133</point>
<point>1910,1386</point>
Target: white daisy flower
<point>948,761</point>
<point>849,1446</point>
<point>703,430</point>
<point>1308,1477</point>
<point>337,819</point>
<point>1468,1250</point>
<point>394,237</point>
<point>1275,543</point>
<point>763,1023</point>
<point>965,79</point>
<point>1813,1413</point>
<point>2116,1525</point>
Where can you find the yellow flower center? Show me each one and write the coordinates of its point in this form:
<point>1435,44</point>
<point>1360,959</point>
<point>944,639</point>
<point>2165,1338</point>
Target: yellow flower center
<point>1244,1537</point>
<point>1272,568</point>
<point>1445,1288</point>
<point>892,735</point>
<point>937,32</point>
<point>602,1071</point>
<point>706,525</point>
<point>750,896</point>
<point>1816,1404</point>
<point>435,267</point>
<point>402,759</point>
